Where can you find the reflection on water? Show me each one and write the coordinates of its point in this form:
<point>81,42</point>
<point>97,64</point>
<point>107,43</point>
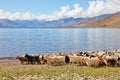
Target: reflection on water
<point>17,41</point>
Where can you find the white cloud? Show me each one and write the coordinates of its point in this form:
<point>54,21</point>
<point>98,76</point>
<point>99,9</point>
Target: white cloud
<point>100,7</point>
<point>76,12</point>
<point>112,6</point>
<point>67,12</point>
<point>95,8</point>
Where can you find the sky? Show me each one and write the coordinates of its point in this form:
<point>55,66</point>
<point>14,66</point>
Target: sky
<point>55,9</point>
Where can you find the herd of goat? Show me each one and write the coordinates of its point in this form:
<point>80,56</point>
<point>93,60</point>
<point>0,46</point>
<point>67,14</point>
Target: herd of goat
<point>90,58</point>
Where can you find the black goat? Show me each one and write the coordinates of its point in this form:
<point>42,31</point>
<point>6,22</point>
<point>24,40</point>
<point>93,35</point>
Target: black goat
<point>32,59</point>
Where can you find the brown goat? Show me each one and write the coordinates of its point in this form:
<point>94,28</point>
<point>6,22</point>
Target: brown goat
<point>77,60</point>
<point>95,62</point>
<point>22,59</point>
<point>56,60</point>
<point>42,59</point>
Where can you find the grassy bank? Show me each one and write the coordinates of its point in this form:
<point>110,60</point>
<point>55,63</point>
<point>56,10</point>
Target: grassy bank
<point>16,71</point>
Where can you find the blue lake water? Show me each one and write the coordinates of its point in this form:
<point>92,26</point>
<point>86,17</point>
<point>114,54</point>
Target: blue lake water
<point>18,41</point>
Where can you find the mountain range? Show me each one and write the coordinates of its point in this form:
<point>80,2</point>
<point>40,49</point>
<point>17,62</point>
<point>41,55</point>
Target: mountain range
<point>6,23</point>
<point>106,20</point>
<point>112,21</point>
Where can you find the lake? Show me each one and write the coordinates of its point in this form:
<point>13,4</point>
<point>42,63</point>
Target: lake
<point>18,41</point>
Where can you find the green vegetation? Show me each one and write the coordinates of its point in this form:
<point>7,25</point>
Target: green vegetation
<point>12,70</point>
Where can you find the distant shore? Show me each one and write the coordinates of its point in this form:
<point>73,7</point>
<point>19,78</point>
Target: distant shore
<point>7,58</point>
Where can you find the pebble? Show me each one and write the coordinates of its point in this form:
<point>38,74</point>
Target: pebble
<point>61,76</point>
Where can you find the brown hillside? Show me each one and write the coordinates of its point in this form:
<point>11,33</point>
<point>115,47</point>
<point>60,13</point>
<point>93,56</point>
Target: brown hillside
<point>111,21</point>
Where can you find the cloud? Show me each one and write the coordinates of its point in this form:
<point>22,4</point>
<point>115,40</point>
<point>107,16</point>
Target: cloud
<point>16,16</point>
<point>95,8</point>
<point>67,12</point>
<point>112,6</point>
<point>75,12</point>
<point>100,7</point>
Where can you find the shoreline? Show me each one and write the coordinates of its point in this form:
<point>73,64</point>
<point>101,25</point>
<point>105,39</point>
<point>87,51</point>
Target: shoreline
<point>14,58</point>
<point>8,59</point>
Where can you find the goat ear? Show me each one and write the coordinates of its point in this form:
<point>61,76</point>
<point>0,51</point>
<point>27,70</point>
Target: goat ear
<point>26,54</point>
<point>42,55</point>
<point>102,55</point>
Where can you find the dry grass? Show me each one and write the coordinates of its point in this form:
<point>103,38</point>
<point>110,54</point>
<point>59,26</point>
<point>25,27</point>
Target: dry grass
<point>11,70</point>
